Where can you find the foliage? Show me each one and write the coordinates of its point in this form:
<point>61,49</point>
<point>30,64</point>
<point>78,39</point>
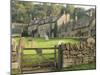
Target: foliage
<point>24,11</point>
<point>79,12</point>
<point>21,11</point>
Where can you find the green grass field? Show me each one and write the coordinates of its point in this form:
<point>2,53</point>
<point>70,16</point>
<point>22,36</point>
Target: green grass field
<point>42,43</point>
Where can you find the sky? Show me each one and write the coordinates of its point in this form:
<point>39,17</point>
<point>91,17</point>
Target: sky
<point>86,7</point>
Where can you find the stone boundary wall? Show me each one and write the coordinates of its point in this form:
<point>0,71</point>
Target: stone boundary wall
<point>75,54</point>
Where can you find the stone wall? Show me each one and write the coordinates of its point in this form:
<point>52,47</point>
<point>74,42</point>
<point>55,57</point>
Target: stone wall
<point>75,54</point>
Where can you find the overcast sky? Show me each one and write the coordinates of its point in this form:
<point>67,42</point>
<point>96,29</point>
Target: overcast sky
<point>83,6</point>
<point>86,7</point>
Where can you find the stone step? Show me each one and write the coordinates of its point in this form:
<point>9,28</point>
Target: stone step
<point>13,53</point>
<point>15,65</point>
<point>14,59</point>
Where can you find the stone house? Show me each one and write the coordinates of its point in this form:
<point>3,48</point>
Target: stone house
<point>47,26</point>
<point>16,28</point>
<point>85,26</point>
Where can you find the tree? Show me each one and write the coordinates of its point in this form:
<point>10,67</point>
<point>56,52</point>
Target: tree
<point>21,11</point>
<point>79,12</point>
<point>70,10</point>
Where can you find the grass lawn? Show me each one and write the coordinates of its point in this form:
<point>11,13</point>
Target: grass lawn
<point>41,42</point>
<point>89,66</point>
<point>81,67</point>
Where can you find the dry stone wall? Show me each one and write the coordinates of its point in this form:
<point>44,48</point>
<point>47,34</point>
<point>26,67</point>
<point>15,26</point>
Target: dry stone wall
<point>75,54</point>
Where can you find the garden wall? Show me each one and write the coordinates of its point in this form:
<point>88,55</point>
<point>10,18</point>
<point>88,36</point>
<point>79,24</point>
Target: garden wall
<point>75,54</point>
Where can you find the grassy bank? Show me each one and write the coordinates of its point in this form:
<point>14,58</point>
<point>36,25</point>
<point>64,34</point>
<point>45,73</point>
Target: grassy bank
<point>88,66</point>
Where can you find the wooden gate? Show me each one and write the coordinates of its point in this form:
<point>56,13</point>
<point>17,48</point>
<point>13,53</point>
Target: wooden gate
<point>51,65</point>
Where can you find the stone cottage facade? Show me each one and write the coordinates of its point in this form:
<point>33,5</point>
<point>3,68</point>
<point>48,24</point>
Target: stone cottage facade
<point>62,26</point>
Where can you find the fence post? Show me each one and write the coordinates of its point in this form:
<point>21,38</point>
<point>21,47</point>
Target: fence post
<point>55,57</point>
<point>60,57</point>
<point>19,59</point>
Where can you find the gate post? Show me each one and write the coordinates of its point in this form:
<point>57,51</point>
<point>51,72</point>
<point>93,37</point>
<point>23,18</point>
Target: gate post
<point>19,59</point>
<point>55,57</point>
<point>60,57</point>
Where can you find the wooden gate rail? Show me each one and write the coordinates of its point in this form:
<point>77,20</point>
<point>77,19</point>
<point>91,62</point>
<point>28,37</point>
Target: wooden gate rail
<point>40,48</point>
<point>58,59</point>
